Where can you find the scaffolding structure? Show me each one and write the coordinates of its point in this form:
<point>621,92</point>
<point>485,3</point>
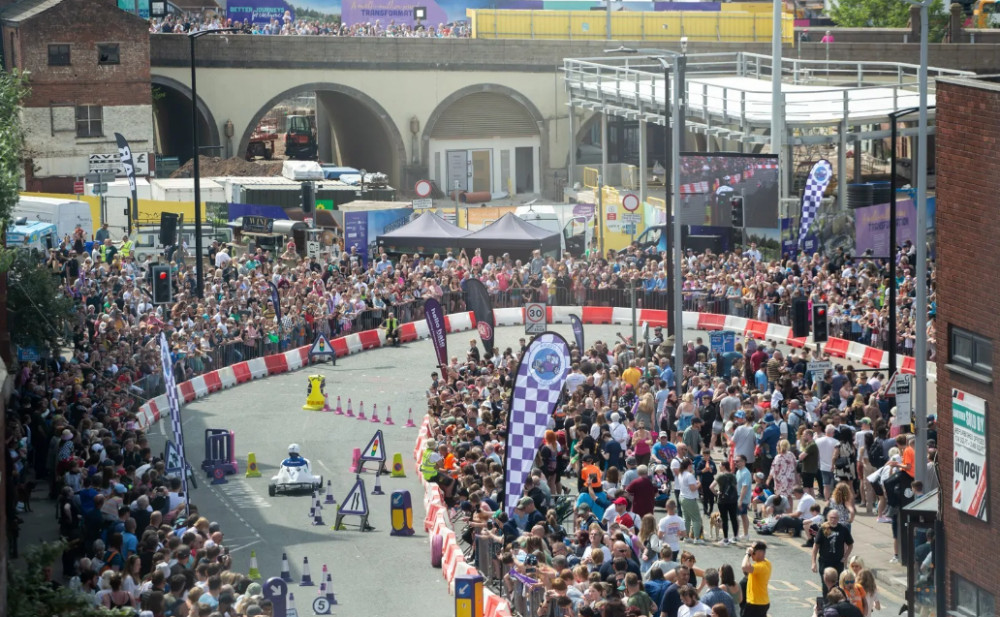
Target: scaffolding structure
<point>728,96</point>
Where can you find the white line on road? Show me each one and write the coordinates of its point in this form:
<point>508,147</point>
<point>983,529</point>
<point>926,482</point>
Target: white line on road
<point>324,466</point>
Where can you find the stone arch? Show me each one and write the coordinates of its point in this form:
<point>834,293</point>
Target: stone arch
<point>208,137</point>
<point>516,96</point>
<point>390,130</point>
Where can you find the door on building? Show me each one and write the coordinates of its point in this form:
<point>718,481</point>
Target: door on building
<point>458,170</point>
<point>524,164</point>
<point>481,170</point>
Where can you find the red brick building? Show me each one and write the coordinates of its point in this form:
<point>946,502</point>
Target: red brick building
<point>968,182</point>
<point>89,78</point>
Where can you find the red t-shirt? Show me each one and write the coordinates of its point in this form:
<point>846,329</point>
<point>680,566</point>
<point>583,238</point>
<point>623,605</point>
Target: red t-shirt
<point>643,493</point>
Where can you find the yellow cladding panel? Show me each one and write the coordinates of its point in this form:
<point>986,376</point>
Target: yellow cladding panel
<point>728,25</point>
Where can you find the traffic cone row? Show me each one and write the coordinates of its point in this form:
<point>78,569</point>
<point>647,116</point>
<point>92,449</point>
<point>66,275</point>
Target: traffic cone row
<point>338,410</point>
<point>375,419</point>
<point>361,411</point>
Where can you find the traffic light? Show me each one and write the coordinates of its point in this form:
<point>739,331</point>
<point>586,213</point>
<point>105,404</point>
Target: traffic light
<point>307,199</point>
<point>163,291</point>
<point>800,318</point>
<point>736,204</point>
<point>821,329</point>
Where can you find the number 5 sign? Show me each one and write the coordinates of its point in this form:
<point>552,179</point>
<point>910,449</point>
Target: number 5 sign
<point>534,318</point>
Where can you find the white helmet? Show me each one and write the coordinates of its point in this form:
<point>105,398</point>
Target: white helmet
<point>293,448</point>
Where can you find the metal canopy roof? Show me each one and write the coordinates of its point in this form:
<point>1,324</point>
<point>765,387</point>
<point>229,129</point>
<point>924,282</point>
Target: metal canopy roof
<point>729,95</point>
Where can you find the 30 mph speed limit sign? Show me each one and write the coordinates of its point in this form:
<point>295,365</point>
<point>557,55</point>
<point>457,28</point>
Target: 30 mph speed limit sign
<point>534,318</point>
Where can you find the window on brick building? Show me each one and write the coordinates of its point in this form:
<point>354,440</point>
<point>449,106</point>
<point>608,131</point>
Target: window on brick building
<point>970,352</point>
<point>971,600</point>
<point>59,55</point>
<point>89,121</point>
<point>107,53</point>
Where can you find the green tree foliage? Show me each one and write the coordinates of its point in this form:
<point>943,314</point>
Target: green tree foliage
<point>887,14</point>
<point>37,306</point>
<point>314,15</point>
<point>13,89</point>
<point>29,593</point>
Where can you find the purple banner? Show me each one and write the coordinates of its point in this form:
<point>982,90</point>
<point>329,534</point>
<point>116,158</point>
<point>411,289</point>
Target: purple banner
<point>434,315</point>
<point>871,227</point>
<point>391,11</point>
<point>540,378</point>
<point>577,324</point>
<point>260,11</point>
<point>356,234</point>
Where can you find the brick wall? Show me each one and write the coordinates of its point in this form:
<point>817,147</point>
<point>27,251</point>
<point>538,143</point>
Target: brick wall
<point>86,81</point>
<point>968,180</point>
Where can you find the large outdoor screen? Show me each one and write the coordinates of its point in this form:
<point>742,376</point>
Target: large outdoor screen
<point>710,181</point>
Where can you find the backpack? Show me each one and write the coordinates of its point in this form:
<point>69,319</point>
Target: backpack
<point>876,454</point>
<point>728,495</point>
<point>111,557</point>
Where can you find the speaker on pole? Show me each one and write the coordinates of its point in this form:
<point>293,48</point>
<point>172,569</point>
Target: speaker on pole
<point>168,228</point>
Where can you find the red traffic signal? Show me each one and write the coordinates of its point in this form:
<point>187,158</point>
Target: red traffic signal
<point>163,275</point>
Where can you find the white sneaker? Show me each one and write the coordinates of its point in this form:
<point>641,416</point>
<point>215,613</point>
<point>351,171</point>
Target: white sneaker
<point>895,559</point>
<point>699,541</point>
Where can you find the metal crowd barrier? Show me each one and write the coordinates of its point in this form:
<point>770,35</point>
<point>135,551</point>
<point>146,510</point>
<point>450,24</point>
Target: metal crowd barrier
<point>526,595</point>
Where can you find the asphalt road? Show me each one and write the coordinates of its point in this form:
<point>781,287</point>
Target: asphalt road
<point>374,572</point>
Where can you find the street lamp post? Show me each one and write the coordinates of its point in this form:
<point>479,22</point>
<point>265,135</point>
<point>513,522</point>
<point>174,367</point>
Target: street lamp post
<point>196,168</point>
<point>673,109</point>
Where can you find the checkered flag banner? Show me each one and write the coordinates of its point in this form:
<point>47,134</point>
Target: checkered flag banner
<point>812,195</point>
<point>540,378</point>
<point>175,413</point>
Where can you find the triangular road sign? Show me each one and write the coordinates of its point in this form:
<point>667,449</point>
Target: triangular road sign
<point>172,458</point>
<point>321,347</point>
<point>356,501</point>
<point>375,450</point>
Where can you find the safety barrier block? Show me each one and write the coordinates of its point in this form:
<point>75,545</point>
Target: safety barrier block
<point>354,343</point>
<point>161,407</point>
<point>654,317</point>
<point>513,316</point>
<point>276,364</point>
<point>339,346</point>
<point>797,342</point>
<point>408,332</point>
<point>736,324</point>
<point>756,329</point>
<point>778,333</point>
<point>458,322</point>
<point>258,368</point>
<point>185,392</point>
<point>856,351</point>
<point>597,314</point>
<point>296,358</point>
<point>213,381</point>
<point>227,377</point>
<point>370,339</point>
<point>200,386</point>
<point>873,357</point>
<point>423,330</point>
<point>241,372</point>
<point>710,321</point>
<point>836,347</point>
<point>557,314</point>
<point>622,316</point>
<point>909,365</point>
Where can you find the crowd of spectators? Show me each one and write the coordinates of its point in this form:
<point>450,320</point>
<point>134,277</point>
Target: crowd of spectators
<point>287,26</point>
<point>628,473</point>
<point>71,423</point>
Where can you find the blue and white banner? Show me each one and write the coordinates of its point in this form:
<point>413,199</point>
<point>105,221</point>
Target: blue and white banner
<point>434,314</point>
<point>175,414</point>
<point>539,381</point>
<point>812,195</point>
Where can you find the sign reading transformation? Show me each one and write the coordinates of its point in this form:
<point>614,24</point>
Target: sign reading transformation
<point>969,487</point>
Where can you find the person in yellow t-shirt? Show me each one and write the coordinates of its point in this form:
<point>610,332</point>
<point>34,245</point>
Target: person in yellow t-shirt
<point>632,375</point>
<point>758,571</point>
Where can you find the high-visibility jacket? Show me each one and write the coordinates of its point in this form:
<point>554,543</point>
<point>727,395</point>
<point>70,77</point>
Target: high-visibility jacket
<point>391,325</point>
<point>427,467</point>
<point>126,248</point>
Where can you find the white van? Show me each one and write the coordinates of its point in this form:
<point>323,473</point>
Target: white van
<point>575,231</point>
<point>65,214</point>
